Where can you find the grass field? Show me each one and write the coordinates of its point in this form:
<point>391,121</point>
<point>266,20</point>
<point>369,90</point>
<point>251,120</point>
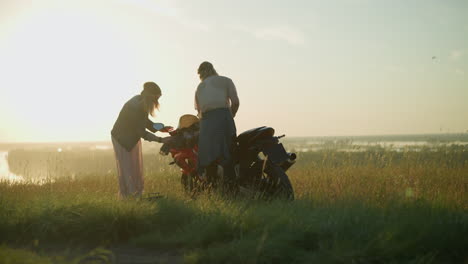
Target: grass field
<point>373,206</point>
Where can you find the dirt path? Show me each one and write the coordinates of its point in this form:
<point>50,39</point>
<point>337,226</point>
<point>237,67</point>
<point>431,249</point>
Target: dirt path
<point>121,254</point>
<point>132,255</point>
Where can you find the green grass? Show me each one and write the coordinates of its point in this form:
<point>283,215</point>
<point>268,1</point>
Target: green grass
<point>20,256</point>
<point>372,207</point>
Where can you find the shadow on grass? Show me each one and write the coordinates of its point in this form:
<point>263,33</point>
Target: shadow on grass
<point>214,230</point>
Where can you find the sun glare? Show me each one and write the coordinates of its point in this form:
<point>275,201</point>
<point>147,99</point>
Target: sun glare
<point>64,66</point>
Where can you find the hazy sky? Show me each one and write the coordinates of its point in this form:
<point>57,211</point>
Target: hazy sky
<point>307,68</point>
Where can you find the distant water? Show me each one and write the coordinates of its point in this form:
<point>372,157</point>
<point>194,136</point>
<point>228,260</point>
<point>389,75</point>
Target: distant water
<point>5,173</point>
<point>364,143</point>
<point>7,176</point>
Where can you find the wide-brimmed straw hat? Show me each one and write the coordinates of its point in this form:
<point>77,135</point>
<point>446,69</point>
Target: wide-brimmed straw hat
<point>187,121</point>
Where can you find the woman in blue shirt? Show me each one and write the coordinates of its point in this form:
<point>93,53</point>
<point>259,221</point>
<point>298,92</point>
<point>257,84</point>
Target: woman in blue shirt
<point>217,102</point>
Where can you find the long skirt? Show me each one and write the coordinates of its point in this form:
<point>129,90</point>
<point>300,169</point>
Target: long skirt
<point>129,169</point>
<point>217,134</point>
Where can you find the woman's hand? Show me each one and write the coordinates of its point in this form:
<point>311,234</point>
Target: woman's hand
<point>166,129</point>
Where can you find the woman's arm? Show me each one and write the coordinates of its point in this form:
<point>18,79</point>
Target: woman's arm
<point>232,94</point>
<point>197,105</point>
<point>149,125</point>
<point>146,123</point>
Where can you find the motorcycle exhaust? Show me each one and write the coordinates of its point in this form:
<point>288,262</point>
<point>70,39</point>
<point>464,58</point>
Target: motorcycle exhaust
<point>292,156</point>
<point>289,162</point>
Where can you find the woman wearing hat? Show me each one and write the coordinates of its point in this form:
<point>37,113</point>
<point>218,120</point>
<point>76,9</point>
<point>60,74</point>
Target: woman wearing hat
<point>130,127</point>
<point>217,103</point>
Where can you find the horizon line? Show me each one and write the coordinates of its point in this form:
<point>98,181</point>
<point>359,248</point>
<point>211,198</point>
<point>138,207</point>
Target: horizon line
<point>328,136</point>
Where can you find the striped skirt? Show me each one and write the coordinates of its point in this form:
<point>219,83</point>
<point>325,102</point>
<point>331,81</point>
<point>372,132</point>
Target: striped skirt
<point>129,169</point>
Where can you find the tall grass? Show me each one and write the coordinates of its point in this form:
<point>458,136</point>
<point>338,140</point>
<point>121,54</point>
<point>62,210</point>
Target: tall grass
<point>371,207</point>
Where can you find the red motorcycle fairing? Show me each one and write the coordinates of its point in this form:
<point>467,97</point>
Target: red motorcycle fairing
<point>186,159</point>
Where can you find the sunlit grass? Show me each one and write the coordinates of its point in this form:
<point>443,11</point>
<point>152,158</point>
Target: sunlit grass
<point>377,206</point>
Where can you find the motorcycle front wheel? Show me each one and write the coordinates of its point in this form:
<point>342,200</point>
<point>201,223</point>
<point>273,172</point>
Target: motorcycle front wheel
<point>279,183</point>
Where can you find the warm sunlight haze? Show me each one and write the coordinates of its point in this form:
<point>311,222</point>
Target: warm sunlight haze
<point>364,68</point>
<point>240,131</point>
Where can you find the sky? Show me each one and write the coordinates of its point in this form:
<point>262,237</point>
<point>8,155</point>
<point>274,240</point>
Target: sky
<point>306,68</point>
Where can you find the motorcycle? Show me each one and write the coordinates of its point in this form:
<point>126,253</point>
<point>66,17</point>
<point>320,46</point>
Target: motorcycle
<point>261,161</point>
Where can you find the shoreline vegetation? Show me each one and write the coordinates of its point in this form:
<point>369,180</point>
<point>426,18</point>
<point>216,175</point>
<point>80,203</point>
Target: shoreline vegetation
<point>378,205</point>
<point>431,138</point>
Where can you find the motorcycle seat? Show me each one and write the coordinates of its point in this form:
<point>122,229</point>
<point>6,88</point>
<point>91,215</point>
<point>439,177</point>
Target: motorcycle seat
<point>253,134</point>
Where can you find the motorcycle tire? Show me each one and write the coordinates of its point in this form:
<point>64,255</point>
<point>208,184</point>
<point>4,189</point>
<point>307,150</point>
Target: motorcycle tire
<point>282,187</point>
